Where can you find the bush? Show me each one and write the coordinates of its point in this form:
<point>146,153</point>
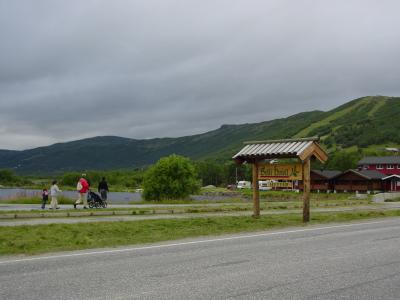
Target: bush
<point>172,177</point>
<point>115,179</point>
<point>7,177</point>
<point>70,179</point>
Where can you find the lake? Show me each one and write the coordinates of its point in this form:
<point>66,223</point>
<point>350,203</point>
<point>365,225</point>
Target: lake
<point>114,197</point>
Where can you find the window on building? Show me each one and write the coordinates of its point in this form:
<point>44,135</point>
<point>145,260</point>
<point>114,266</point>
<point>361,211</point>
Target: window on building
<point>379,167</point>
<point>390,166</point>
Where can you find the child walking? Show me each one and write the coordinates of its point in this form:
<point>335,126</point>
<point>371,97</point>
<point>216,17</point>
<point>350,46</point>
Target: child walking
<point>45,198</point>
<point>54,191</point>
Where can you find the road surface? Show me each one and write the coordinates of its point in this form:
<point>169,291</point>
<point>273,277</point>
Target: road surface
<point>339,261</point>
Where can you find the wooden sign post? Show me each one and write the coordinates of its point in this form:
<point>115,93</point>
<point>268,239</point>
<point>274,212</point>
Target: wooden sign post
<point>306,169</point>
<point>302,149</point>
<point>256,192</point>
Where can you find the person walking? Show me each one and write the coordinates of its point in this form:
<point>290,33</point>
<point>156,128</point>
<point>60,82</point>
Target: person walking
<point>45,198</point>
<point>103,189</point>
<point>82,188</point>
<point>54,192</point>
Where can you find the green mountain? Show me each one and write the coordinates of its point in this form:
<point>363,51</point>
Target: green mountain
<point>362,122</point>
<point>365,123</point>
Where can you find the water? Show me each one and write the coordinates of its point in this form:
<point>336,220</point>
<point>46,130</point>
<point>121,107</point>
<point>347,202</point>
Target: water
<point>114,197</point>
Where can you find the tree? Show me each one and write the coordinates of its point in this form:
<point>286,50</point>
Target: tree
<point>210,173</point>
<point>70,178</point>
<point>172,177</point>
<point>343,160</point>
<point>7,176</point>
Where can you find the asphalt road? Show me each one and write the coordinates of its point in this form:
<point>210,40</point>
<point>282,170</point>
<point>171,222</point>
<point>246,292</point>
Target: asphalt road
<point>341,261</point>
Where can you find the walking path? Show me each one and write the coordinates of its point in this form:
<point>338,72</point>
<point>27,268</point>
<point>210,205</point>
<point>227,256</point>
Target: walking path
<point>88,219</point>
<point>28,207</point>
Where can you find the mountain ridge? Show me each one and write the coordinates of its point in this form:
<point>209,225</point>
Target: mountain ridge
<point>359,123</point>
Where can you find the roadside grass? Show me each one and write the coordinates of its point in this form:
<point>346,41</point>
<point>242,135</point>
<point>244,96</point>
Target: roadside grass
<point>199,208</point>
<point>29,240</point>
<point>292,196</point>
<point>270,198</point>
<point>393,200</point>
<point>228,196</point>
<point>191,201</point>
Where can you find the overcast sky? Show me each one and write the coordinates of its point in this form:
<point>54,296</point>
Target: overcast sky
<point>142,69</point>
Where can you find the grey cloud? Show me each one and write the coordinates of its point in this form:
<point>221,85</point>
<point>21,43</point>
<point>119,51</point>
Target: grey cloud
<point>142,69</point>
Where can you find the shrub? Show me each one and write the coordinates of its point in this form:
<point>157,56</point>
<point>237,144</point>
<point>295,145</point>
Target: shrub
<point>172,177</point>
<point>7,177</point>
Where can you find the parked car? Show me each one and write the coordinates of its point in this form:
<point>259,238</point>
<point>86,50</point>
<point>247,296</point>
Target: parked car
<point>231,186</point>
<point>244,184</point>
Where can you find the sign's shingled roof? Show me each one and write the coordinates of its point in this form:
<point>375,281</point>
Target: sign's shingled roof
<point>260,149</point>
<point>287,148</point>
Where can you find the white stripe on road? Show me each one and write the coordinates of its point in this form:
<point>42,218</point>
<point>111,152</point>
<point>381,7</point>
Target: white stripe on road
<point>188,243</point>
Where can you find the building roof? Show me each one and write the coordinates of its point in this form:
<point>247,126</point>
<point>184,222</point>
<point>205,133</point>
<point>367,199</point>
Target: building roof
<point>289,148</point>
<point>372,160</point>
<point>367,174</point>
<point>371,174</point>
<point>391,176</point>
<point>328,174</point>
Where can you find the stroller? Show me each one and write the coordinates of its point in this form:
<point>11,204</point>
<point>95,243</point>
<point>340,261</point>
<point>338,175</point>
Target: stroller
<point>94,200</point>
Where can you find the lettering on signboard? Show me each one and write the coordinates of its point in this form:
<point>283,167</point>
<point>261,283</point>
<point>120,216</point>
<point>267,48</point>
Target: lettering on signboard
<point>280,171</point>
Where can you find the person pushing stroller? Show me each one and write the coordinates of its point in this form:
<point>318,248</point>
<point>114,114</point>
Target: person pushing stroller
<point>82,188</point>
<point>103,189</point>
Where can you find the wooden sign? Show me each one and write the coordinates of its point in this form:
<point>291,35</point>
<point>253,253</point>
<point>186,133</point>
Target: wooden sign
<point>276,184</point>
<point>280,171</point>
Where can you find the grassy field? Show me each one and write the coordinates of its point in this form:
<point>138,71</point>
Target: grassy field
<point>293,196</point>
<point>243,196</point>
<point>220,207</point>
<point>30,240</point>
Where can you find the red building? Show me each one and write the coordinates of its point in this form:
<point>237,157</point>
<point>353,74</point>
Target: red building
<point>387,165</point>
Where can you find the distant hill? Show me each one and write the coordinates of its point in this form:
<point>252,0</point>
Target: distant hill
<point>363,123</point>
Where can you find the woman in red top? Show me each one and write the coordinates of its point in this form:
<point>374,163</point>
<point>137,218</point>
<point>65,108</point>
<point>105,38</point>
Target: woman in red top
<point>82,188</point>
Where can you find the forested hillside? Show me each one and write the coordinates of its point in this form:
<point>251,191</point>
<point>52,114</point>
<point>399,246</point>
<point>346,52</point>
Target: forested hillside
<point>362,122</point>
<point>362,126</point>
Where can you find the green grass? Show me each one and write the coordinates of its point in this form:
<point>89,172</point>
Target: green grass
<point>330,118</point>
<point>269,196</point>
<point>190,201</point>
<point>60,237</point>
<point>223,207</point>
<point>378,105</point>
<point>293,196</point>
<point>133,211</point>
<point>393,200</point>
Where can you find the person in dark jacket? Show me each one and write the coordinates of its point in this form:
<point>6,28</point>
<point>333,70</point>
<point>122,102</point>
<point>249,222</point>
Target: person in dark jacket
<point>103,189</point>
<point>45,198</point>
